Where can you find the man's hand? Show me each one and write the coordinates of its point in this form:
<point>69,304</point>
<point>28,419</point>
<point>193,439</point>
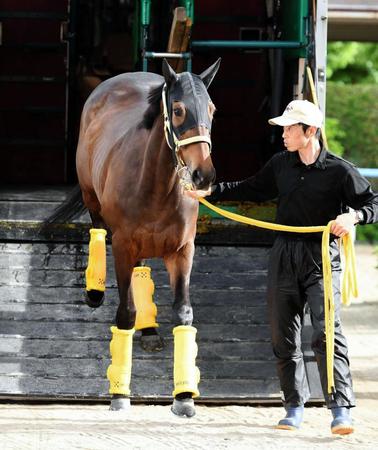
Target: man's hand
<point>198,194</point>
<point>343,224</point>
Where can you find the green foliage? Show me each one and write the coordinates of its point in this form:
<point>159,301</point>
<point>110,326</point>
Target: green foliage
<point>352,109</point>
<point>367,233</point>
<point>356,109</point>
<point>335,135</point>
<point>352,62</point>
<point>352,101</point>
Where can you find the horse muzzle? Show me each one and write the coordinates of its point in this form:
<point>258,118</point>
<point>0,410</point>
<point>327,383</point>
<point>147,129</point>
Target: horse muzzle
<point>203,179</point>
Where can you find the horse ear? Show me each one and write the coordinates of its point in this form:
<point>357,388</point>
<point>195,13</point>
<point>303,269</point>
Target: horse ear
<point>208,75</point>
<point>169,74</point>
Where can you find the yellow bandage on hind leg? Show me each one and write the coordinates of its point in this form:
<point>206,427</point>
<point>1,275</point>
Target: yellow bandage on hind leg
<point>95,275</point>
<point>119,372</point>
<point>186,374</point>
<point>143,290</point>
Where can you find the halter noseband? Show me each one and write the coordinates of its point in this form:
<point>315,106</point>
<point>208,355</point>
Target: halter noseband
<point>173,142</point>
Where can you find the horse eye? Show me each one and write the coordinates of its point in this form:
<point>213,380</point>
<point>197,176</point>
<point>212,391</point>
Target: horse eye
<point>178,112</point>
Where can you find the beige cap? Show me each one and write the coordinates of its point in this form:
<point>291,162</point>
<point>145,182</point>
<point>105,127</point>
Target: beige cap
<point>299,111</point>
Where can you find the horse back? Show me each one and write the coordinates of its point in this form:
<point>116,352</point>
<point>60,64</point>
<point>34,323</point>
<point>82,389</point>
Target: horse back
<point>124,96</point>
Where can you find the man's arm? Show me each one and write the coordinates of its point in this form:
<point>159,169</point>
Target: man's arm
<point>260,187</point>
<point>359,195</point>
<point>343,224</point>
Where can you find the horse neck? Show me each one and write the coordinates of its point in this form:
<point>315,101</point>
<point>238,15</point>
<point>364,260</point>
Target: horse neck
<point>158,165</point>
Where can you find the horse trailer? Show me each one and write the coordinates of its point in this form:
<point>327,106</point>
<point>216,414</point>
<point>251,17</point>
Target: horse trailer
<point>53,54</point>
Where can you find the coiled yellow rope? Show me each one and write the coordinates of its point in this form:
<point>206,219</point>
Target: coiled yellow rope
<point>349,284</point>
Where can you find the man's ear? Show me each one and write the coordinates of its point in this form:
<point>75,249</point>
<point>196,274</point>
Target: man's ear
<point>311,131</point>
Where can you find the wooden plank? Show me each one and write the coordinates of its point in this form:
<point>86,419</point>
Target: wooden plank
<point>74,330</point>
<point>58,348</point>
<point>26,347</point>
<point>225,314</point>
<point>20,221</point>
<point>55,194</point>
<point>26,231</point>
<point>19,210</point>
<point>42,261</point>
<point>179,37</point>
<point>17,277</point>
<point>153,368</point>
<point>58,248</point>
<point>60,278</point>
<point>160,389</point>
<point>215,234</point>
<point>78,257</point>
<point>313,378</point>
<point>45,248</point>
<point>204,252</point>
<point>163,296</point>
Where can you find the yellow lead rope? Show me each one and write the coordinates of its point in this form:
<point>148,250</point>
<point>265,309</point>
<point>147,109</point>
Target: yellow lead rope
<point>349,284</point>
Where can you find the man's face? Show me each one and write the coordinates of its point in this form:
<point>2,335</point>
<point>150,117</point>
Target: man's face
<point>294,137</point>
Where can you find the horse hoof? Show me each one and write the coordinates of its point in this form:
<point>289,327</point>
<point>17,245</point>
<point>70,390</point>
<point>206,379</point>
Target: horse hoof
<point>94,298</point>
<point>153,343</point>
<point>184,407</point>
<point>150,340</point>
<point>120,404</point>
<point>183,315</point>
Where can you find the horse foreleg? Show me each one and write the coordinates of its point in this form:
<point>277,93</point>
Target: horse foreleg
<point>186,374</point>
<point>119,372</point>
<point>96,270</point>
<point>95,274</point>
<point>179,266</point>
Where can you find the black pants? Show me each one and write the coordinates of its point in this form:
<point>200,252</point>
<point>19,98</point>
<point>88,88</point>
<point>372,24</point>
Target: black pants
<point>295,278</point>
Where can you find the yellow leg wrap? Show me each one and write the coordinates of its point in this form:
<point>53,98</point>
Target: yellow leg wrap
<point>95,275</point>
<point>185,372</point>
<point>143,290</point>
<point>119,372</point>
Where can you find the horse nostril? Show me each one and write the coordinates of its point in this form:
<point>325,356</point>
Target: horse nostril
<point>197,177</point>
<point>214,176</point>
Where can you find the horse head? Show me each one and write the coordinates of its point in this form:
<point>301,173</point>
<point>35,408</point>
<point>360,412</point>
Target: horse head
<point>188,115</point>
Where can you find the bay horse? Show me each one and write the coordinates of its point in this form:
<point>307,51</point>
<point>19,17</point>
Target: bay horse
<point>141,136</point>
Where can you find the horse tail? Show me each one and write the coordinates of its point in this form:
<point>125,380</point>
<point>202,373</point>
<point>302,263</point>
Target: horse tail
<point>71,207</point>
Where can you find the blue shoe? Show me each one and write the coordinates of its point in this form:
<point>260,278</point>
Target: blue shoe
<point>293,418</point>
<point>342,422</point>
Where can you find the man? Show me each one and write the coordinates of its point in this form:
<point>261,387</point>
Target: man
<point>313,187</point>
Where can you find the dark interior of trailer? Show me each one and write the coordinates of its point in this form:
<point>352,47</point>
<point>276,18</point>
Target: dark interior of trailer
<point>53,54</point>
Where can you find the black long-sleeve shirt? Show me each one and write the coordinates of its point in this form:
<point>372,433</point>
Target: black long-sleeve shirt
<point>308,195</point>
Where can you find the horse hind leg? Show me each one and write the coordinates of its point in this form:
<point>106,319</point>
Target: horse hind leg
<point>143,290</point>
<point>186,373</point>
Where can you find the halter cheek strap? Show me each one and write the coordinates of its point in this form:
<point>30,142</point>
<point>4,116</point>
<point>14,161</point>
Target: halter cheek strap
<point>173,142</point>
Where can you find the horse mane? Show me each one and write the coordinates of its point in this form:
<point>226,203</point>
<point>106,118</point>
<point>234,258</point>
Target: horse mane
<point>153,110</point>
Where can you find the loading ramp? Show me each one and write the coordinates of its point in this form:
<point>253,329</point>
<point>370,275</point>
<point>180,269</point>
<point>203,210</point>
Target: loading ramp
<point>54,347</point>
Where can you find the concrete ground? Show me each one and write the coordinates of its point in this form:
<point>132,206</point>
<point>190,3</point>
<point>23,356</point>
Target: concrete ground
<point>93,427</point>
